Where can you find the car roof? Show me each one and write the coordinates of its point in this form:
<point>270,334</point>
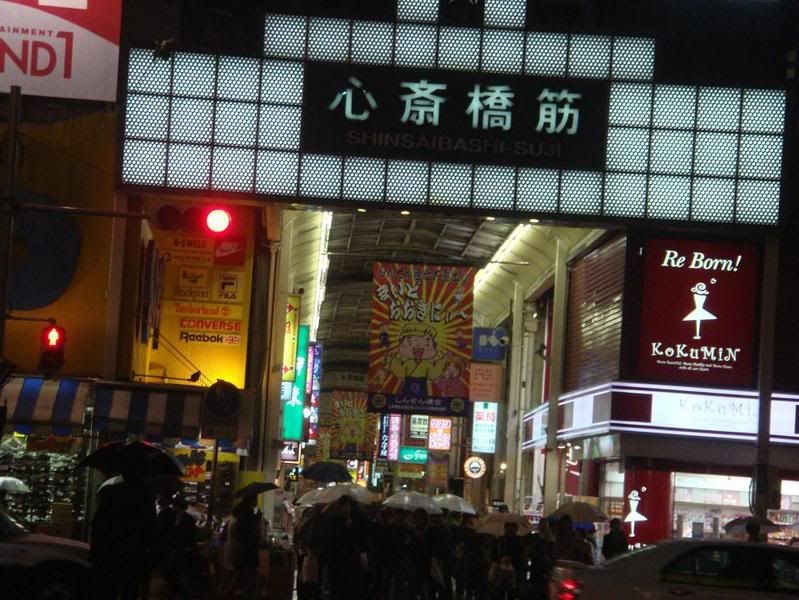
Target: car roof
<point>688,542</point>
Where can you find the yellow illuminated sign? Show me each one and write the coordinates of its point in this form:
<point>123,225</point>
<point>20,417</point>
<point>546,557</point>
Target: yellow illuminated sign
<point>290,337</point>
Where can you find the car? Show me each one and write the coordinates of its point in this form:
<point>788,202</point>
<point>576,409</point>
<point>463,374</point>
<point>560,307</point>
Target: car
<point>697,569</point>
<point>40,567</point>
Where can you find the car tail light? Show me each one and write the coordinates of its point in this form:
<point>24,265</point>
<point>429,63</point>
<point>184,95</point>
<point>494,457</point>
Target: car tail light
<point>570,589</point>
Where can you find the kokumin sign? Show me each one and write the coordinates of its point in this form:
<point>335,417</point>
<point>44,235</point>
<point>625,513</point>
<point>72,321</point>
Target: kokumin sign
<point>443,115</point>
<point>698,312</point>
<point>60,48</point>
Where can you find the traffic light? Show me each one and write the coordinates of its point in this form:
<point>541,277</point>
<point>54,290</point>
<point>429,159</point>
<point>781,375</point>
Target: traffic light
<point>51,356</point>
<point>192,219</point>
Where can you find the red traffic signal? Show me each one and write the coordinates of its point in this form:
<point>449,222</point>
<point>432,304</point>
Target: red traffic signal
<point>218,220</point>
<point>51,356</point>
<point>192,219</point>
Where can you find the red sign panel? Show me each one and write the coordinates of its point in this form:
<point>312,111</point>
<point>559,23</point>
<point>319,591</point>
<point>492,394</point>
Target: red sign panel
<point>698,312</point>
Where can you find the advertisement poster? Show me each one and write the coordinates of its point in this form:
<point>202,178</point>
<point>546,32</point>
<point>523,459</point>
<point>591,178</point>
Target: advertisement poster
<point>352,429</point>
<point>420,339</point>
<point>290,336</point>
<point>484,427</point>
<point>698,312</point>
<point>486,382</point>
<point>293,403</point>
<point>440,436</point>
<point>60,48</point>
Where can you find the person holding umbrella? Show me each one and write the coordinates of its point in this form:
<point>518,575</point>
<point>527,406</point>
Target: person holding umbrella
<point>243,542</point>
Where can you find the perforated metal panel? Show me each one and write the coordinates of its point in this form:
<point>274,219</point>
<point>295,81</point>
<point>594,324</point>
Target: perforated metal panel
<point>674,152</point>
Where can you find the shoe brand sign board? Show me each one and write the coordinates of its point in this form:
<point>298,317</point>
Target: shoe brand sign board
<point>698,312</point>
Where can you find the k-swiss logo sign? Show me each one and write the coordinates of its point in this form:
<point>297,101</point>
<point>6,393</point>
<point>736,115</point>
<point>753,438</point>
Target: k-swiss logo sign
<point>60,48</point>
<point>698,312</point>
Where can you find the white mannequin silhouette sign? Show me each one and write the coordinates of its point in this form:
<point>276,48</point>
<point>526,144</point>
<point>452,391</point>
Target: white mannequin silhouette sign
<point>699,314</point>
<point>634,516</point>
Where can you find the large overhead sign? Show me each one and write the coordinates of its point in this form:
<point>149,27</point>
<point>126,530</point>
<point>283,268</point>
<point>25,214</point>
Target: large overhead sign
<point>420,114</point>
<point>420,339</point>
<point>60,48</point>
<point>415,114</point>
<point>698,312</point>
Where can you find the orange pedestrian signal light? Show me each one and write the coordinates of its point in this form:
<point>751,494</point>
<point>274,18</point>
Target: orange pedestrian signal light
<point>218,220</point>
<point>51,355</point>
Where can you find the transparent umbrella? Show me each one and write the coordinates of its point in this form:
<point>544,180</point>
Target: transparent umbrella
<point>454,503</point>
<point>494,524</point>
<point>332,493</point>
<point>410,501</point>
<point>12,485</point>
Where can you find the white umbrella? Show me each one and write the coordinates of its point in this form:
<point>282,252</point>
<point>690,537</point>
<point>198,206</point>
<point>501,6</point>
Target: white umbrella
<point>580,512</point>
<point>12,485</point>
<point>331,494</point>
<point>454,503</point>
<point>412,500</point>
<point>494,524</point>
<point>308,498</point>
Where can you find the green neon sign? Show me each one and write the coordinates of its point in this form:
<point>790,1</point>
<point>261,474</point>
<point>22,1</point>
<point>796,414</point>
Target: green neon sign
<point>293,406</point>
<point>408,454</point>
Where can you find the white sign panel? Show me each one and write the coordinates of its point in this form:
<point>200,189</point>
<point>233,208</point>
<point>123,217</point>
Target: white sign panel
<point>730,414</point>
<point>60,48</point>
<point>484,427</point>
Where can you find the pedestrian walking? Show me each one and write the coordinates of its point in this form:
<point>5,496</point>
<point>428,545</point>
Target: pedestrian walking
<point>243,539</point>
<point>615,541</point>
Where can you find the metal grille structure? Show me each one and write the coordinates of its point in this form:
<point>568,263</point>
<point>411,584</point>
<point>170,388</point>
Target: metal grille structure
<point>674,152</point>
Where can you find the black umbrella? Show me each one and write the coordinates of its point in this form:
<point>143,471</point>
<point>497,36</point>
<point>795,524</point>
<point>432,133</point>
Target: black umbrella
<point>327,472</point>
<point>140,457</point>
<point>255,488</point>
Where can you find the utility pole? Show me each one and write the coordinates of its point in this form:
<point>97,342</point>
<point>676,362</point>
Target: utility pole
<point>6,214</point>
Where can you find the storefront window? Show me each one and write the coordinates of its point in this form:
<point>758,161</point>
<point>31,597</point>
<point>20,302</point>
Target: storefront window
<point>704,503</point>
<point>611,490</point>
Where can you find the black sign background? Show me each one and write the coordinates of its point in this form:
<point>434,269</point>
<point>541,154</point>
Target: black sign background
<point>383,134</point>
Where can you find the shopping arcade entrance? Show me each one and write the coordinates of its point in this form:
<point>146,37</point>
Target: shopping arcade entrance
<point>684,155</point>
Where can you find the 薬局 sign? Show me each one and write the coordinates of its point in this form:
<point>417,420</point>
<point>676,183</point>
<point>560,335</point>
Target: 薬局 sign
<point>60,48</point>
<point>484,427</point>
<point>408,454</point>
<point>440,436</point>
<point>293,407</point>
<point>698,312</point>
<point>421,114</point>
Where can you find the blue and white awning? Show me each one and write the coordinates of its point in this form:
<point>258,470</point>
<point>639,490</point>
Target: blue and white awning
<point>38,405</point>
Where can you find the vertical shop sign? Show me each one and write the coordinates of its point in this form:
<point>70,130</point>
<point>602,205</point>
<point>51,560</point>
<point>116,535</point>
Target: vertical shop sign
<point>60,48</point>
<point>290,337</point>
<point>420,339</point>
<point>293,408</point>
<point>698,312</point>
<point>352,431</point>
<point>309,378</point>
<point>440,436</point>
<point>484,427</point>
<point>418,427</point>
<point>316,390</point>
<point>382,437</point>
<point>394,436</point>
<point>486,382</point>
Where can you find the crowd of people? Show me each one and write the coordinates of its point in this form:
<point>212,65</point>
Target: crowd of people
<point>347,551</point>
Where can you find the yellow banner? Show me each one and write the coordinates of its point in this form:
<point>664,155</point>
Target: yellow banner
<point>290,337</point>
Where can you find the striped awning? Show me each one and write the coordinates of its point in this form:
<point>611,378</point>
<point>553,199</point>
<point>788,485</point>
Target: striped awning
<point>38,405</point>
<point>156,411</point>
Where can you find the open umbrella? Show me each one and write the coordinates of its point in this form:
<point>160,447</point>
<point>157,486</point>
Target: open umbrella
<point>12,485</point>
<point>141,457</point>
<point>494,524</point>
<point>308,498</point>
<point>454,503</point>
<point>738,525</point>
<point>255,488</point>
<point>580,512</point>
<point>327,472</point>
<point>330,494</point>
<point>410,501</point>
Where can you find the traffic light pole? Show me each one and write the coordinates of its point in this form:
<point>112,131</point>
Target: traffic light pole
<point>7,216</point>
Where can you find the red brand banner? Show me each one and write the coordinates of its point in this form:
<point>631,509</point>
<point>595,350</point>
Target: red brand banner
<point>60,48</point>
<point>698,312</point>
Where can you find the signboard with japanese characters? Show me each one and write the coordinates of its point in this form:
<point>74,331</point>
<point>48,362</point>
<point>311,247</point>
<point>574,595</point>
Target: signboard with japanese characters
<point>698,312</point>
<point>440,436</point>
<point>460,117</point>
<point>418,427</point>
<point>485,383</point>
<point>420,339</point>
<point>484,427</point>
<point>352,431</point>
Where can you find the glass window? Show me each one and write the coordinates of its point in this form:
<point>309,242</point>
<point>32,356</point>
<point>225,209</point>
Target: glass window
<point>735,567</point>
<point>783,572</point>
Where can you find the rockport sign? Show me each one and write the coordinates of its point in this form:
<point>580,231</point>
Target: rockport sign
<point>698,312</point>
